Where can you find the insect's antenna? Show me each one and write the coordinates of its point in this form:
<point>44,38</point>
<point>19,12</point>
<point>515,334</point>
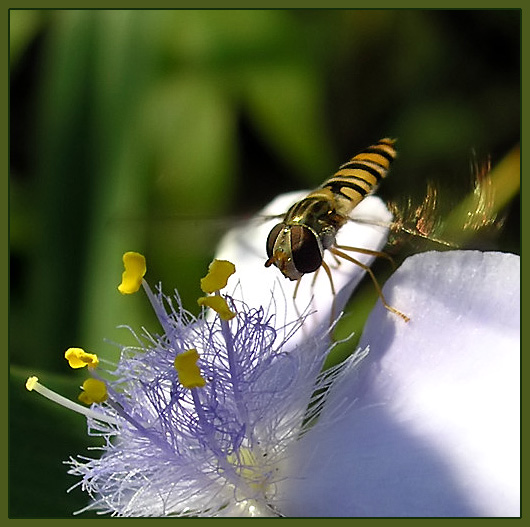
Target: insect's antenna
<point>366,268</point>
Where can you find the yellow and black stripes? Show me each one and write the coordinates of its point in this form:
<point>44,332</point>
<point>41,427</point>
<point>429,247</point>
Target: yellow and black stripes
<point>359,176</point>
<point>297,245</point>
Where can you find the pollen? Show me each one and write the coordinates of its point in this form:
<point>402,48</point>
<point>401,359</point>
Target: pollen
<point>218,304</point>
<point>94,391</point>
<point>135,269</point>
<point>78,358</point>
<point>31,383</point>
<point>218,273</point>
<point>187,369</point>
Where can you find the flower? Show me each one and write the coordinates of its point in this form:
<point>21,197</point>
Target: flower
<point>229,414</point>
<point>201,415</point>
<point>433,424</point>
<point>199,418</point>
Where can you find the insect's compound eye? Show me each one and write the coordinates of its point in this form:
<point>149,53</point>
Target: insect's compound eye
<point>271,239</point>
<point>305,249</point>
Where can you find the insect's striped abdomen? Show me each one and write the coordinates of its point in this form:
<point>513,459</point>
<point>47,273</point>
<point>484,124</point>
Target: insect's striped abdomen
<point>361,175</point>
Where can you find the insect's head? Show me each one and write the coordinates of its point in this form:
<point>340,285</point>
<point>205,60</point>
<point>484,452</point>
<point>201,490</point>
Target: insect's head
<point>294,249</point>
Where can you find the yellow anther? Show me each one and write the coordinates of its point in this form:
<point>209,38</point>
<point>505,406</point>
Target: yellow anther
<point>135,269</point>
<point>31,383</point>
<point>78,358</point>
<point>218,273</point>
<point>187,369</point>
<point>94,391</point>
<point>217,303</point>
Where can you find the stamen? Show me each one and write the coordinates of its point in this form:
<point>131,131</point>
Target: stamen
<point>135,269</point>
<point>94,391</point>
<point>78,358</point>
<point>233,367</point>
<point>187,369</point>
<point>33,384</point>
<point>218,273</point>
<point>218,304</point>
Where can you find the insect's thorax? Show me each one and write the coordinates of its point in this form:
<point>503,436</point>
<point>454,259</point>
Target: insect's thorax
<point>317,211</point>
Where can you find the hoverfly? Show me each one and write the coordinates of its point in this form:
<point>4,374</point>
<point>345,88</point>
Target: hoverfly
<point>296,245</point>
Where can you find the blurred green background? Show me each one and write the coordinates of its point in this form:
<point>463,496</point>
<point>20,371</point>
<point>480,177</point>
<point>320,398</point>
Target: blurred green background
<point>156,130</point>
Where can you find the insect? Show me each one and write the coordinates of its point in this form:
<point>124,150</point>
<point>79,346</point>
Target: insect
<point>296,245</point>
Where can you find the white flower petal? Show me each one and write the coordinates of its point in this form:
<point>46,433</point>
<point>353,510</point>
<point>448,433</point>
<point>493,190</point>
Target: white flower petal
<point>434,425</point>
<point>246,246</point>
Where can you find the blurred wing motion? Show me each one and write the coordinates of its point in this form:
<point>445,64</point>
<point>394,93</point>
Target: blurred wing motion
<point>426,220</point>
<point>296,245</point>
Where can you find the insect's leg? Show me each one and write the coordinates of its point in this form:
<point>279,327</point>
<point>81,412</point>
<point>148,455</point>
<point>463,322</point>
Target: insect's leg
<point>328,272</point>
<point>295,305</point>
<point>379,254</point>
<point>296,288</point>
<point>336,261</point>
<point>374,280</point>
<point>315,276</point>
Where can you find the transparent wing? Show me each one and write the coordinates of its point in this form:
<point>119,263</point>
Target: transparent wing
<point>438,219</point>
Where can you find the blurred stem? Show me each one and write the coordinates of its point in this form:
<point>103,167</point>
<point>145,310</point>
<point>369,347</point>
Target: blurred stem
<point>120,175</point>
<point>63,187</point>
